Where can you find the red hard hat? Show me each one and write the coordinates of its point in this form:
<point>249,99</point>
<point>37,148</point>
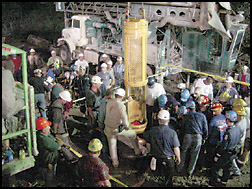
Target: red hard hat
<point>42,123</point>
<point>216,105</point>
<point>203,99</point>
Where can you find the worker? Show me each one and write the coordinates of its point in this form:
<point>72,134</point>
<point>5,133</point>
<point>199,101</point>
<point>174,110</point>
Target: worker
<point>180,87</point>
<point>48,151</point>
<point>32,62</point>
<point>56,90</point>
<point>119,72</point>
<point>104,59</point>
<point>82,82</point>
<point>224,100</point>
<point>229,89</point>
<point>8,64</point>
<point>50,71</point>
<point>206,86</point>
<point>93,99</point>
<point>116,118</point>
<point>166,102</point>
<point>242,125</point>
<point>39,91</point>
<point>185,97</point>
<point>226,152</point>
<point>243,157</point>
<point>107,78</point>
<point>244,77</point>
<point>92,170</point>
<point>54,59</point>
<point>82,62</point>
<point>17,63</point>
<point>164,147</point>
<point>109,68</point>
<point>153,91</point>
<point>182,111</point>
<point>196,133</point>
<point>217,128</point>
<point>203,106</point>
<point>58,116</point>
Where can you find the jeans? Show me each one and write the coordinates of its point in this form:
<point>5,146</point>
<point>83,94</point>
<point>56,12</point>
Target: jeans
<point>193,143</point>
<point>149,113</point>
<point>40,100</point>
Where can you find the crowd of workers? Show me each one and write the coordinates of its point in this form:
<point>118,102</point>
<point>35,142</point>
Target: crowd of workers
<point>186,131</point>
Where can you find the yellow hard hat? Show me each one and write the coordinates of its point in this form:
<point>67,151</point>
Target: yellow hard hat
<point>224,97</point>
<point>240,110</point>
<point>95,145</point>
<point>239,102</point>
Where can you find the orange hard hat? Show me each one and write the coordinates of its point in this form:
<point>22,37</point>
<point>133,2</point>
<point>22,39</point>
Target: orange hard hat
<point>42,123</point>
<point>217,106</point>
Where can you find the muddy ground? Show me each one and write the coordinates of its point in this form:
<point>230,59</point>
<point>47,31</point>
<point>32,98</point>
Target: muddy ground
<point>132,172</point>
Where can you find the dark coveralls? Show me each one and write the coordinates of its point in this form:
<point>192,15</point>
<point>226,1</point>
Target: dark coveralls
<point>93,101</point>
<point>163,140</point>
<point>227,152</point>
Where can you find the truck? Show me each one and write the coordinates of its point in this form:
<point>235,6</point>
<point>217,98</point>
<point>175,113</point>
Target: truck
<point>203,36</point>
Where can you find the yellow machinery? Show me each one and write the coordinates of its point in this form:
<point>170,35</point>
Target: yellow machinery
<point>135,32</point>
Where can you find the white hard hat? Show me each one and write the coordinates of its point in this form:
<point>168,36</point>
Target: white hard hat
<point>32,50</point>
<point>104,65</point>
<point>37,71</point>
<point>104,55</point>
<point>67,75</point>
<point>119,58</point>
<point>164,115</point>
<point>53,52</point>
<point>245,67</point>
<point>96,79</point>
<point>229,79</point>
<point>120,92</point>
<point>49,79</point>
<point>181,86</point>
<point>81,54</point>
<point>110,62</point>
<point>65,95</point>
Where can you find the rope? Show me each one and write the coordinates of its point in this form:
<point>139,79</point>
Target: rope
<point>117,181</point>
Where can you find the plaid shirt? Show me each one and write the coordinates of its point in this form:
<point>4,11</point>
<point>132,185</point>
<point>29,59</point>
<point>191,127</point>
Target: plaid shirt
<point>93,171</point>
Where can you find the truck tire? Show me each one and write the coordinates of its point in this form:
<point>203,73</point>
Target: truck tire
<point>65,55</point>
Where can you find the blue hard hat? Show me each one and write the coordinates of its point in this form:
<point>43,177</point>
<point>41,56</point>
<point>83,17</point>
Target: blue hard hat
<point>185,94</point>
<point>190,104</point>
<point>182,110</point>
<point>151,81</point>
<point>162,100</point>
<point>73,67</point>
<point>232,115</point>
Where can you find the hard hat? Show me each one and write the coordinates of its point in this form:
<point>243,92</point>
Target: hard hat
<point>38,71</point>
<point>110,62</point>
<point>162,100</point>
<point>190,104</point>
<point>185,94</point>
<point>96,79</point>
<point>232,115</point>
<point>164,115</point>
<point>53,52</point>
<point>65,95</point>
<point>32,51</point>
<point>119,58</point>
<point>229,79</point>
<point>104,65</point>
<point>67,75</point>
<point>104,55</point>
<point>95,145</point>
<point>42,123</point>
<point>56,65</point>
<point>73,67</point>
<point>216,106</point>
<point>81,54</point>
<point>120,92</point>
<point>245,67</point>
<point>151,81</point>
<point>224,97</point>
<point>203,100</point>
<point>240,110</point>
<point>239,102</point>
<point>197,92</point>
<point>181,86</point>
<point>182,110</point>
<point>49,79</point>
